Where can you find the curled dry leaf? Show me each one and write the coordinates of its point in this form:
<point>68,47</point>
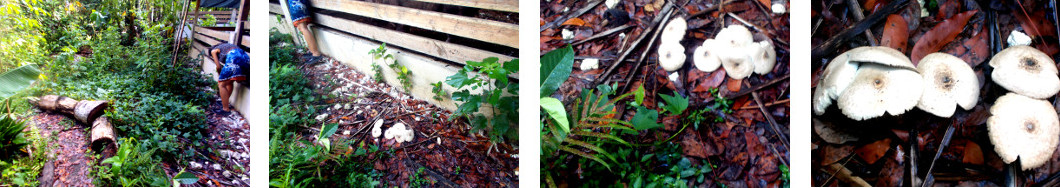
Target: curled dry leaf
<point>940,35</point>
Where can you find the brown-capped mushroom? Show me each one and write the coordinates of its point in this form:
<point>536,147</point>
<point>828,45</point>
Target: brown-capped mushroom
<point>948,82</point>
<point>1025,128</point>
<point>1026,71</point>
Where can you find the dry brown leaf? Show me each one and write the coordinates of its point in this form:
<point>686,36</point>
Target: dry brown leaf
<point>940,35</point>
<point>872,152</point>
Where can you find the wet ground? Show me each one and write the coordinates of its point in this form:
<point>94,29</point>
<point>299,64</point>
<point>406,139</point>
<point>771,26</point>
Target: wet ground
<point>450,154</point>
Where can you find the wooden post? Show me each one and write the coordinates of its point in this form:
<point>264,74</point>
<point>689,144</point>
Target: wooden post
<point>236,37</point>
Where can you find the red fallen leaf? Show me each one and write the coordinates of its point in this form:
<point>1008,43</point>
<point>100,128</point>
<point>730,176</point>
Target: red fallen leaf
<point>872,152</point>
<point>972,154</point>
<point>896,33</point>
<point>870,6</point>
<point>974,50</point>
<point>948,9</point>
<point>834,153</point>
<point>741,102</point>
<point>734,84</point>
<point>891,174</point>
<point>940,35</point>
<point>766,2</point>
<point>1036,25</point>
<point>574,22</point>
<point>709,80</point>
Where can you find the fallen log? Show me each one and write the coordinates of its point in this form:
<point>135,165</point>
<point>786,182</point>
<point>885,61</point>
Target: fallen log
<point>102,137</point>
<point>88,112</point>
<point>85,111</point>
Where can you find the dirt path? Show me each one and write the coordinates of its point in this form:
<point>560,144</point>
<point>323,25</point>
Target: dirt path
<point>447,151</point>
<point>67,165</point>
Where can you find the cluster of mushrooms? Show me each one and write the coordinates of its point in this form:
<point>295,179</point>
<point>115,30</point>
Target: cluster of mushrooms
<point>733,47</point>
<point>870,81</point>
<point>398,132</point>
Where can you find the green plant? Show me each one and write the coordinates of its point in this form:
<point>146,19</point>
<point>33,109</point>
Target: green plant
<point>418,180</point>
<point>208,21</point>
<point>379,54</point>
<point>497,92</point>
<point>24,171</point>
<point>13,81</point>
<point>402,75</point>
<point>439,92</point>
<point>12,139</point>
<point>675,104</point>
<point>132,166</point>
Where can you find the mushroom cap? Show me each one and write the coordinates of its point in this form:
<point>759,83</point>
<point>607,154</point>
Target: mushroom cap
<point>736,52</point>
<point>705,58</point>
<point>880,55</point>
<point>1026,71</point>
<point>767,58</point>
<point>841,70</point>
<point>674,30</point>
<point>735,35</point>
<point>836,77</point>
<point>671,56</point>
<point>377,129</point>
<point>948,81</point>
<point>879,88</point>
<point>1025,128</point>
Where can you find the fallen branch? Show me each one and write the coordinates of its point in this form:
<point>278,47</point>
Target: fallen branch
<point>772,122</point>
<point>658,20</point>
<point>829,46</point>
<point>562,19</point>
<point>846,175</point>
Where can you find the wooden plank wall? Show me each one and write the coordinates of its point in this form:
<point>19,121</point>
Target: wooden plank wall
<point>476,28</point>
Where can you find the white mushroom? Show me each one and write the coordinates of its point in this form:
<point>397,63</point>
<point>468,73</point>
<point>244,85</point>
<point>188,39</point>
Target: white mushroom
<point>841,71</point>
<point>377,129</point>
<point>767,57</point>
<point>1025,128</point>
<point>590,64</point>
<point>948,82</point>
<point>674,30</point>
<point>671,56</point>
<point>705,58</point>
<point>879,88</point>
<point>399,133</point>
<point>1026,71</point>
<point>736,51</point>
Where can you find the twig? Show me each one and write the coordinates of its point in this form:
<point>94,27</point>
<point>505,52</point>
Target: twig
<point>855,8</point>
<point>560,20</point>
<point>756,88</point>
<point>772,122</point>
<point>914,151</point>
<point>708,10</point>
<point>929,179</point>
<point>644,54</point>
<point>658,20</point>
<point>767,104</point>
<point>602,34</point>
<point>829,46</point>
<point>847,176</point>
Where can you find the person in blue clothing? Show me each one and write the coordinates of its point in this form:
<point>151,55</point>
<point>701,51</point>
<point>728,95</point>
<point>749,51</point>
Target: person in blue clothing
<point>300,19</point>
<point>233,65</point>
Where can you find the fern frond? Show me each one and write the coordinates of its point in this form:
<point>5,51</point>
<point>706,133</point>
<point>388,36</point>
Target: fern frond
<point>585,155</point>
<point>600,135</point>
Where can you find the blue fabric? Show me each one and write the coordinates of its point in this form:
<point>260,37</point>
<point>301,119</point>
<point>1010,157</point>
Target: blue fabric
<point>297,10</point>
<point>237,64</point>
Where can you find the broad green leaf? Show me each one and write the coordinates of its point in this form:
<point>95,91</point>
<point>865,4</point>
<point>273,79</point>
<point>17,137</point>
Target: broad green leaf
<point>13,81</point>
<point>555,109</point>
<point>645,119</point>
<point>675,104</point>
<point>185,178</point>
<point>326,130</point>
<point>555,68</point>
